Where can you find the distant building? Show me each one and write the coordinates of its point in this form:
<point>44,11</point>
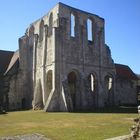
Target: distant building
<point>126,85</point>
<point>5,57</point>
<point>138,89</point>
<point>63,64</point>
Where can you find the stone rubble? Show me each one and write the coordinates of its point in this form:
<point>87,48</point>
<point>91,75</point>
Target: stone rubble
<point>26,137</point>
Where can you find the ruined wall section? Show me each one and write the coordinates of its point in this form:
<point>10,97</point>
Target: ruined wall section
<point>77,53</point>
<point>44,59</point>
<point>78,49</point>
<point>25,70</point>
<point>16,95</point>
<point>57,53</point>
<point>20,80</point>
<point>126,92</point>
<point>49,53</point>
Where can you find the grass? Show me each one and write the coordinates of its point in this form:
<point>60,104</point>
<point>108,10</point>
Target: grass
<point>66,126</point>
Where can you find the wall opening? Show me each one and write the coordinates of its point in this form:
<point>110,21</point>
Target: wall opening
<point>72,87</point>
<point>41,29</point>
<point>108,82</point>
<point>92,91</point>
<point>72,25</point>
<point>50,25</point>
<point>89,30</point>
<point>38,98</point>
<point>109,89</point>
<point>49,82</point>
<point>92,82</point>
<point>23,103</point>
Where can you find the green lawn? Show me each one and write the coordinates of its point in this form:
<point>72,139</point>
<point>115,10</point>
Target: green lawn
<point>66,126</point>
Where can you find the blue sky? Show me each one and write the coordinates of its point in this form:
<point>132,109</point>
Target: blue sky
<point>122,24</point>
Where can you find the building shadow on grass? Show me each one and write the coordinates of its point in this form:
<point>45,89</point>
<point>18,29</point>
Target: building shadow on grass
<point>120,109</point>
<point>3,112</point>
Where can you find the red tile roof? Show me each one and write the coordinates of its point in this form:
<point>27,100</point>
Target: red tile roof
<point>124,71</point>
<point>5,57</point>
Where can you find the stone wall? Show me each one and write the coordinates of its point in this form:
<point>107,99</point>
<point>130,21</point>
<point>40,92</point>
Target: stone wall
<point>126,92</point>
<point>56,54</point>
<point>62,68</point>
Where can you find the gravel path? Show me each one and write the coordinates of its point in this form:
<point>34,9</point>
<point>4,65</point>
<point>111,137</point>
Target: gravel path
<point>26,137</point>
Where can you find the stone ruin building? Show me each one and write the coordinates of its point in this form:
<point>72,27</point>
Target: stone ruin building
<point>63,64</point>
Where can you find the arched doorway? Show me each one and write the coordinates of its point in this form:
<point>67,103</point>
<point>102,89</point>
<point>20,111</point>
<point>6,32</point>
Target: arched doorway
<point>23,103</point>
<point>92,89</point>
<point>72,80</point>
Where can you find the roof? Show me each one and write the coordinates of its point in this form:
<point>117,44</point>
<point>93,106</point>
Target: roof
<point>5,57</point>
<point>138,75</point>
<point>14,59</point>
<point>125,72</point>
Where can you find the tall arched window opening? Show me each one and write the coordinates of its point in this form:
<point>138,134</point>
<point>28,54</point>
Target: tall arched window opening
<point>89,30</point>
<point>109,90</point>
<point>72,86</point>
<point>49,82</point>
<point>50,24</point>
<point>41,29</point>
<point>108,83</point>
<point>92,82</point>
<point>72,25</point>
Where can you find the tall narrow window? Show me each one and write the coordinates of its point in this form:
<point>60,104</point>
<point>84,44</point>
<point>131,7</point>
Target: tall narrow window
<point>92,82</point>
<point>89,30</point>
<point>41,28</point>
<point>49,79</point>
<point>72,81</point>
<point>110,83</point>
<point>72,25</point>
<point>50,25</point>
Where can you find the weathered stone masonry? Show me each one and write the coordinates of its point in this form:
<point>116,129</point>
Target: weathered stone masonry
<point>65,65</point>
